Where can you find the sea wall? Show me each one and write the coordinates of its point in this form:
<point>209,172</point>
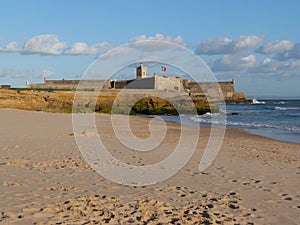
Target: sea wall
<point>214,91</point>
<point>70,84</point>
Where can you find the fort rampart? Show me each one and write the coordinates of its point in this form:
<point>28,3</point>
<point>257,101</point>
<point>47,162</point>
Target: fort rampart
<point>201,91</point>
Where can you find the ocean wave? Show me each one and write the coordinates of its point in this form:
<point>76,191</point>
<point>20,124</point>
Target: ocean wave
<point>255,101</point>
<point>279,103</point>
<point>217,121</point>
<point>279,108</point>
<point>286,108</point>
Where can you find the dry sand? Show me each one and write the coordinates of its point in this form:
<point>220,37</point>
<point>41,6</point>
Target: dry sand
<point>44,180</point>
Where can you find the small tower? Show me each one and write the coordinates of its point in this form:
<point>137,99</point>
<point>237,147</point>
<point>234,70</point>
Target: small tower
<point>141,71</point>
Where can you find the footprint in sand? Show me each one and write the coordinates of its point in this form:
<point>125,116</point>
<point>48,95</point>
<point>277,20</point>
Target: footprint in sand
<point>286,197</point>
<point>8,183</point>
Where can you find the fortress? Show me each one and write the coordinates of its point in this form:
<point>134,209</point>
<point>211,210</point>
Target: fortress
<point>197,90</point>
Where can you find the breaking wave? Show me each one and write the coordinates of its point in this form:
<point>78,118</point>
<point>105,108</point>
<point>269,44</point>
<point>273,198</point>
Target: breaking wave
<point>287,108</point>
<point>255,101</point>
<point>280,108</point>
<point>213,119</point>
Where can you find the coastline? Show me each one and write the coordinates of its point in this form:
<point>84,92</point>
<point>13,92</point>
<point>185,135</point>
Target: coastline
<point>253,179</point>
<point>257,132</point>
<point>273,136</point>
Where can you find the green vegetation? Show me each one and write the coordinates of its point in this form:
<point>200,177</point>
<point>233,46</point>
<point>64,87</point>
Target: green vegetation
<point>40,89</point>
<point>67,111</point>
<point>148,106</point>
<point>106,110</point>
<point>205,108</point>
<point>156,106</point>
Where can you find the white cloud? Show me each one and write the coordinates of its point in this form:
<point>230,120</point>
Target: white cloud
<point>276,46</point>
<point>266,61</point>
<point>272,66</point>
<point>233,63</point>
<point>250,65</point>
<point>100,48</point>
<point>293,53</point>
<point>10,47</point>
<point>284,57</point>
<point>155,43</point>
<point>115,52</point>
<point>223,64</point>
<point>226,45</point>
<point>245,42</point>
<point>46,44</point>
<point>49,44</point>
<point>145,46</point>
<point>159,37</point>
<point>81,48</point>
<point>77,49</point>
<point>248,61</point>
<point>236,56</point>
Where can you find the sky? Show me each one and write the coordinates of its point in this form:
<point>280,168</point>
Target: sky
<point>255,42</point>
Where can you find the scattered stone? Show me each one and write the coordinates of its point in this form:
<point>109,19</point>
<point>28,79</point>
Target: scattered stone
<point>210,206</point>
<point>174,220</point>
<point>103,209</point>
<point>232,206</point>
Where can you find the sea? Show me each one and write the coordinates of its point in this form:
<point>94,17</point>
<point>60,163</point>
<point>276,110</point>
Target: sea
<point>276,119</point>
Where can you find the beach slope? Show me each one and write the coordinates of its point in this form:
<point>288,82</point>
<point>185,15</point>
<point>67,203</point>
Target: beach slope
<point>45,180</point>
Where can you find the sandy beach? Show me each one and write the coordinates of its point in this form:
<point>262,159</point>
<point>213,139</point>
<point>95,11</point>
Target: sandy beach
<point>45,180</point>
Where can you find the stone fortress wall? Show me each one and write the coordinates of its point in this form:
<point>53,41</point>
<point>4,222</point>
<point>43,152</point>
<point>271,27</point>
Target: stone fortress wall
<point>69,84</point>
<point>213,91</point>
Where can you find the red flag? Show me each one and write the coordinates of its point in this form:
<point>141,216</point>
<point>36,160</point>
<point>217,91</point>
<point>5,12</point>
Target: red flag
<point>163,68</point>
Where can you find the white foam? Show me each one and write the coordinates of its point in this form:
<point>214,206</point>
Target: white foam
<point>286,108</point>
<point>279,108</point>
<point>255,101</point>
<point>201,119</point>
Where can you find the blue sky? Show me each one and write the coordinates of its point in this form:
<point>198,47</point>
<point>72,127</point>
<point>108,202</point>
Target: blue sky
<point>255,42</point>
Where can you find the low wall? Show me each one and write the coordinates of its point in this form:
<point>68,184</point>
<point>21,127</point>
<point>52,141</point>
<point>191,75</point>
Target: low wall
<point>71,84</point>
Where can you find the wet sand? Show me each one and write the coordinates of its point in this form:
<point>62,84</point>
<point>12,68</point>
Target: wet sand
<point>45,180</point>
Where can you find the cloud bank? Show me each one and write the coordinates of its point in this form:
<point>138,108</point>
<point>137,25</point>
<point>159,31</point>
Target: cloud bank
<point>248,55</point>
<point>159,37</point>
<point>276,46</point>
<point>50,44</point>
<point>225,45</point>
